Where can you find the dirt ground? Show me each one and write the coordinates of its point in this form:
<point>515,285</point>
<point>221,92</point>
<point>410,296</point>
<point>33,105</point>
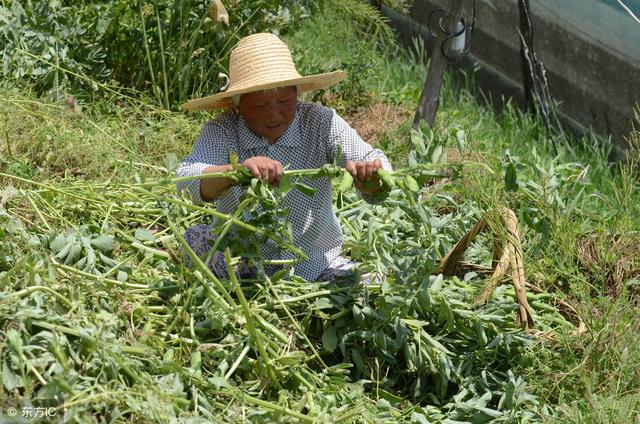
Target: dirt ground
<point>377,118</point>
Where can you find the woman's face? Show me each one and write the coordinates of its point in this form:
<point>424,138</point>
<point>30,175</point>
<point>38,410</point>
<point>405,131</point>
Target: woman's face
<point>270,113</point>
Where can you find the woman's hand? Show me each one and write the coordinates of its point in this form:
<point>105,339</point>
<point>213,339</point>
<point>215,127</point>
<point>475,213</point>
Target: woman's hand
<point>264,168</point>
<point>364,175</point>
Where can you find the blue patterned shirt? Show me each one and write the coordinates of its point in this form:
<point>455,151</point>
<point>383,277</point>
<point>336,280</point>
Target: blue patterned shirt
<point>310,142</point>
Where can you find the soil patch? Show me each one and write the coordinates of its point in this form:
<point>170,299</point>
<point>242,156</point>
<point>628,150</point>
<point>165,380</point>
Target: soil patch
<point>376,119</point>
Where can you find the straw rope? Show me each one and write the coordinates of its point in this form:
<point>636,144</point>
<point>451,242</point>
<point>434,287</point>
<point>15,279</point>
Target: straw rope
<point>507,256</point>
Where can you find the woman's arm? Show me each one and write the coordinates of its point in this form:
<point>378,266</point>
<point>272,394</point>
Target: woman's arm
<point>212,188</point>
<point>210,154</point>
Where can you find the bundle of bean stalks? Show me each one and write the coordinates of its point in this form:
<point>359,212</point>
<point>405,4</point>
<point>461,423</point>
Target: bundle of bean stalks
<point>100,314</point>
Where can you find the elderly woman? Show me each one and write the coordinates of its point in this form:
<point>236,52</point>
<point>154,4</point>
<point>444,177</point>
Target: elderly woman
<point>270,129</point>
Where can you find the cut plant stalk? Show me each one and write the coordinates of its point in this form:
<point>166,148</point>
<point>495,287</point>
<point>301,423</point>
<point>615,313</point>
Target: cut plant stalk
<point>330,171</point>
<point>302,256</point>
<point>256,336</point>
<point>294,322</point>
<point>99,278</point>
<point>48,290</point>
<point>227,303</point>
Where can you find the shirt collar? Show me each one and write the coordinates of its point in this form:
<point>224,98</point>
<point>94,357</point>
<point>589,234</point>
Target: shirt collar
<point>248,140</point>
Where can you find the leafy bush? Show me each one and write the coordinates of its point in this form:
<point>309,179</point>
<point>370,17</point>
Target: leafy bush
<point>172,49</point>
<point>41,39</point>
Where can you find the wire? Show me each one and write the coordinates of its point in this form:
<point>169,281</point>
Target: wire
<point>449,36</point>
<point>629,11</point>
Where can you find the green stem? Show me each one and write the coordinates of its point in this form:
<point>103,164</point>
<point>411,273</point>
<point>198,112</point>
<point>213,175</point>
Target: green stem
<point>301,297</point>
<point>272,329</point>
<point>99,278</point>
<point>294,322</point>
<point>45,186</point>
<point>45,289</point>
<point>292,173</point>
<point>273,407</point>
<point>237,361</point>
<point>184,306</point>
<point>208,211</point>
<point>146,49</point>
<point>253,331</point>
<point>205,269</point>
<point>76,333</point>
<point>162,61</point>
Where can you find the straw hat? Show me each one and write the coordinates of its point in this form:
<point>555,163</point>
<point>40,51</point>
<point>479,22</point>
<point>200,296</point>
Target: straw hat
<point>261,62</point>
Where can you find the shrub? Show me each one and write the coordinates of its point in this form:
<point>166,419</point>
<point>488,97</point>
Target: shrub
<point>172,49</point>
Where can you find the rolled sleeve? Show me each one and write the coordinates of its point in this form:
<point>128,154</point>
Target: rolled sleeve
<point>210,149</point>
<point>192,186</point>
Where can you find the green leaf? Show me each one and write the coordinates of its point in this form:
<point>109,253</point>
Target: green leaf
<point>387,178</point>
<point>511,178</point>
<point>74,253</point>
<point>437,153</point>
<point>171,161</point>
<point>305,189</point>
<point>233,158</point>
<point>412,161</point>
<point>285,183</point>
<point>255,185</point>
<point>346,182</point>
<point>218,382</point>
<point>323,303</point>
<point>417,139</point>
<point>103,243</point>
<point>415,322</point>
<point>168,356</point>
<point>15,340</point>
<point>143,234</point>
<point>436,344</point>
<point>412,184</point>
<point>358,361</point>
<point>277,276</point>
<point>65,250</point>
<point>9,379</point>
<point>58,243</point>
<point>417,417</point>
<point>436,284</point>
<point>196,360</point>
<point>329,339</point>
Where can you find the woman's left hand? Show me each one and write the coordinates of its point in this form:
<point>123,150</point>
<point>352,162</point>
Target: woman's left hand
<point>364,175</point>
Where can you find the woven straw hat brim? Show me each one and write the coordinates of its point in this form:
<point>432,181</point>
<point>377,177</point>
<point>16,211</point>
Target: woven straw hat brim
<point>304,84</point>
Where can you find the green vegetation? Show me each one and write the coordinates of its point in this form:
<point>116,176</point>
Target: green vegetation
<point>171,49</point>
<point>98,306</point>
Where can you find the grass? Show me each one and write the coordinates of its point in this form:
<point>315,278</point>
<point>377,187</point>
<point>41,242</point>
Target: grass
<point>47,140</point>
<point>565,189</point>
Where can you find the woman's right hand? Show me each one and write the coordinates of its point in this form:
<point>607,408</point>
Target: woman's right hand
<point>264,168</point>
